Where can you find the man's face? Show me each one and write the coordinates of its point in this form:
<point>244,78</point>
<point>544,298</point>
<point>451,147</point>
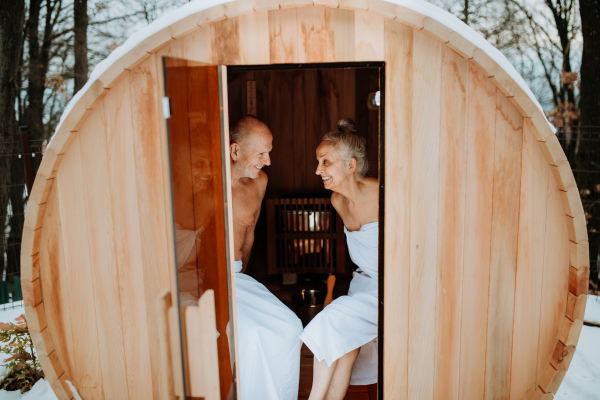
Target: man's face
<point>202,169</point>
<point>253,152</point>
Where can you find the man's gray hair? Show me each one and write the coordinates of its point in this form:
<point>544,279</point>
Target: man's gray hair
<point>242,127</point>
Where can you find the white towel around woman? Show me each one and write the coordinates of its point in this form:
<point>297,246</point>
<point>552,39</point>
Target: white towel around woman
<point>350,322</point>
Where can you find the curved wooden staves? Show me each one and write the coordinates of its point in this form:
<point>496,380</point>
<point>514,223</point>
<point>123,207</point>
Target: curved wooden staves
<point>45,241</point>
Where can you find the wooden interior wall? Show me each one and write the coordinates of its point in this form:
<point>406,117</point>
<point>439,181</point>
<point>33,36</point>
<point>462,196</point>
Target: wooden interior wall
<point>300,106</point>
<point>498,317</point>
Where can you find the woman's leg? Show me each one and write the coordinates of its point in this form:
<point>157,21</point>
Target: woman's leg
<point>331,383</point>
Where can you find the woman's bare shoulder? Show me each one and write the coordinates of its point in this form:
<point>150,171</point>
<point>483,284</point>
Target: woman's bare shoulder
<point>337,200</point>
<point>371,184</point>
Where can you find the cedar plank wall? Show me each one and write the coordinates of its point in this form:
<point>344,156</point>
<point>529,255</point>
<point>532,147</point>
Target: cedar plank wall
<point>503,351</point>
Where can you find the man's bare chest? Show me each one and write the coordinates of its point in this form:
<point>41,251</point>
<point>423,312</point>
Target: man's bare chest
<point>246,206</point>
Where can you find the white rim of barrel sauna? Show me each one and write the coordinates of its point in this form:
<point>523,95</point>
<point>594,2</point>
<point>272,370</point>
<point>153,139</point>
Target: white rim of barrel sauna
<point>417,14</point>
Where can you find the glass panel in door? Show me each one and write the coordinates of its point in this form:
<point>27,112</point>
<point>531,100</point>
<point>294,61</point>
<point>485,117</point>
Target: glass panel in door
<point>198,140</point>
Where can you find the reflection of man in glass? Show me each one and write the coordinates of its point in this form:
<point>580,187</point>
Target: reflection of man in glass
<point>268,331</point>
<point>191,275</point>
<point>202,169</point>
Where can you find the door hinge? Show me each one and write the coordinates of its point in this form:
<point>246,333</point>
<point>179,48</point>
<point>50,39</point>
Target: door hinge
<point>166,107</point>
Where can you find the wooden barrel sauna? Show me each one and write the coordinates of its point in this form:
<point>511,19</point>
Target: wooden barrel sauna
<point>485,259</point>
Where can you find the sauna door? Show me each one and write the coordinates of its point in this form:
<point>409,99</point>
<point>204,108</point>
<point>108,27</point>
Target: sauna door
<point>196,110</point>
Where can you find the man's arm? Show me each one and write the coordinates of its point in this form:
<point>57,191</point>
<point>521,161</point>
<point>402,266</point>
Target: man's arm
<point>248,242</point>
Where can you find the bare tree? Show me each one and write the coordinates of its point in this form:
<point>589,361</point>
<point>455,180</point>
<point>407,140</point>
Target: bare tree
<point>590,62</point>
<point>49,15</point>
<point>80,27</point>
<point>12,15</point>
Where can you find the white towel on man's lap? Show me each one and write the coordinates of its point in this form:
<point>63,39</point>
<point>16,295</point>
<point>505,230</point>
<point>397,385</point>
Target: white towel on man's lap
<point>268,342</point>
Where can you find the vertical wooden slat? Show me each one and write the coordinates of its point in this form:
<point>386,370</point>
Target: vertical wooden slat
<point>398,144</point>
<point>279,91</point>
<point>271,236</point>
<point>87,373</point>
<point>286,230</point>
<point>254,38</point>
<point>316,125</point>
<point>116,119</point>
<point>303,171</point>
<point>325,35</point>
<point>555,285</point>
<point>151,197</point>
<point>225,36</point>
<point>163,304</point>
<point>424,189</point>
<point>530,267</point>
<point>197,46</point>
<point>54,284</point>
<point>283,42</point>
<point>305,229</point>
<point>279,233</point>
<point>295,234</point>
<point>478,226</point>
<point>101,235</point>
<point>346,85</point>
<point>369,33</point>
<point>318,243</point>
<point>453,176</point>
<point>505,220</point>
<point>340,238</point>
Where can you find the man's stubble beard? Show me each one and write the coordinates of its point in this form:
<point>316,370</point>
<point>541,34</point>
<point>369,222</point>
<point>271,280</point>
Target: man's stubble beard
<point>247,172</point>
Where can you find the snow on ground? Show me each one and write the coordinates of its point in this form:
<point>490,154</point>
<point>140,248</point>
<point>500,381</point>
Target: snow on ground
<point>592,309</point>
<point>41,390</point>
<point>582,381</point>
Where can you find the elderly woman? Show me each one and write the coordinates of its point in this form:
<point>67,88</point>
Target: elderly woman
<point>343,337</point>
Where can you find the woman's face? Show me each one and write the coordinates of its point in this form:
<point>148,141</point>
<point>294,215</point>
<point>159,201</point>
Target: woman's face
<point>331,166</point>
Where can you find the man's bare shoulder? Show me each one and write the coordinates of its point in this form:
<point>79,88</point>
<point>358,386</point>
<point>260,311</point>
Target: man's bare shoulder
<point>258,185</point>
<point>262,181</point>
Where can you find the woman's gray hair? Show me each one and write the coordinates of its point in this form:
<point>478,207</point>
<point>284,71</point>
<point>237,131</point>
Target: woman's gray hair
<point>350,145</point>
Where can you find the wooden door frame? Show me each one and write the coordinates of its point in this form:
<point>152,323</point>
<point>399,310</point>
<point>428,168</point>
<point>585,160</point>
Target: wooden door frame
<point>381,174</point>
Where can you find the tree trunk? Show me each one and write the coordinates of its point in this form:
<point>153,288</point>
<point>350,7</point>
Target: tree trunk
<point>11,31</point>
<point>466,12</point>
<point>561,21</point>
<point>34,111</point>
<point>589,101</point>
<point>80,50</point>
<point>39,58</point>
<point>12,14</point>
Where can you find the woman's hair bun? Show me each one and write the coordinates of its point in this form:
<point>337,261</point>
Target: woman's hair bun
<point>350,145</point>
<point>347,125</point>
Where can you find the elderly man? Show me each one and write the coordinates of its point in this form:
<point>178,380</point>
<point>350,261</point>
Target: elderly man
<point>268,331</point>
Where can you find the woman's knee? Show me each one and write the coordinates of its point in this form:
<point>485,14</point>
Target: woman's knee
<point>350,357</point>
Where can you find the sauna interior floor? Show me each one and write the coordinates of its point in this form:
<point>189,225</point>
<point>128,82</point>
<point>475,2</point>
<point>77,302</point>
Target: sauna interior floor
<point>306,372</point>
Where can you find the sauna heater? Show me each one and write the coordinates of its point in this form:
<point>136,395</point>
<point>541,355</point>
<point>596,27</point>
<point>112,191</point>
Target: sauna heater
<point>304,235</point>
